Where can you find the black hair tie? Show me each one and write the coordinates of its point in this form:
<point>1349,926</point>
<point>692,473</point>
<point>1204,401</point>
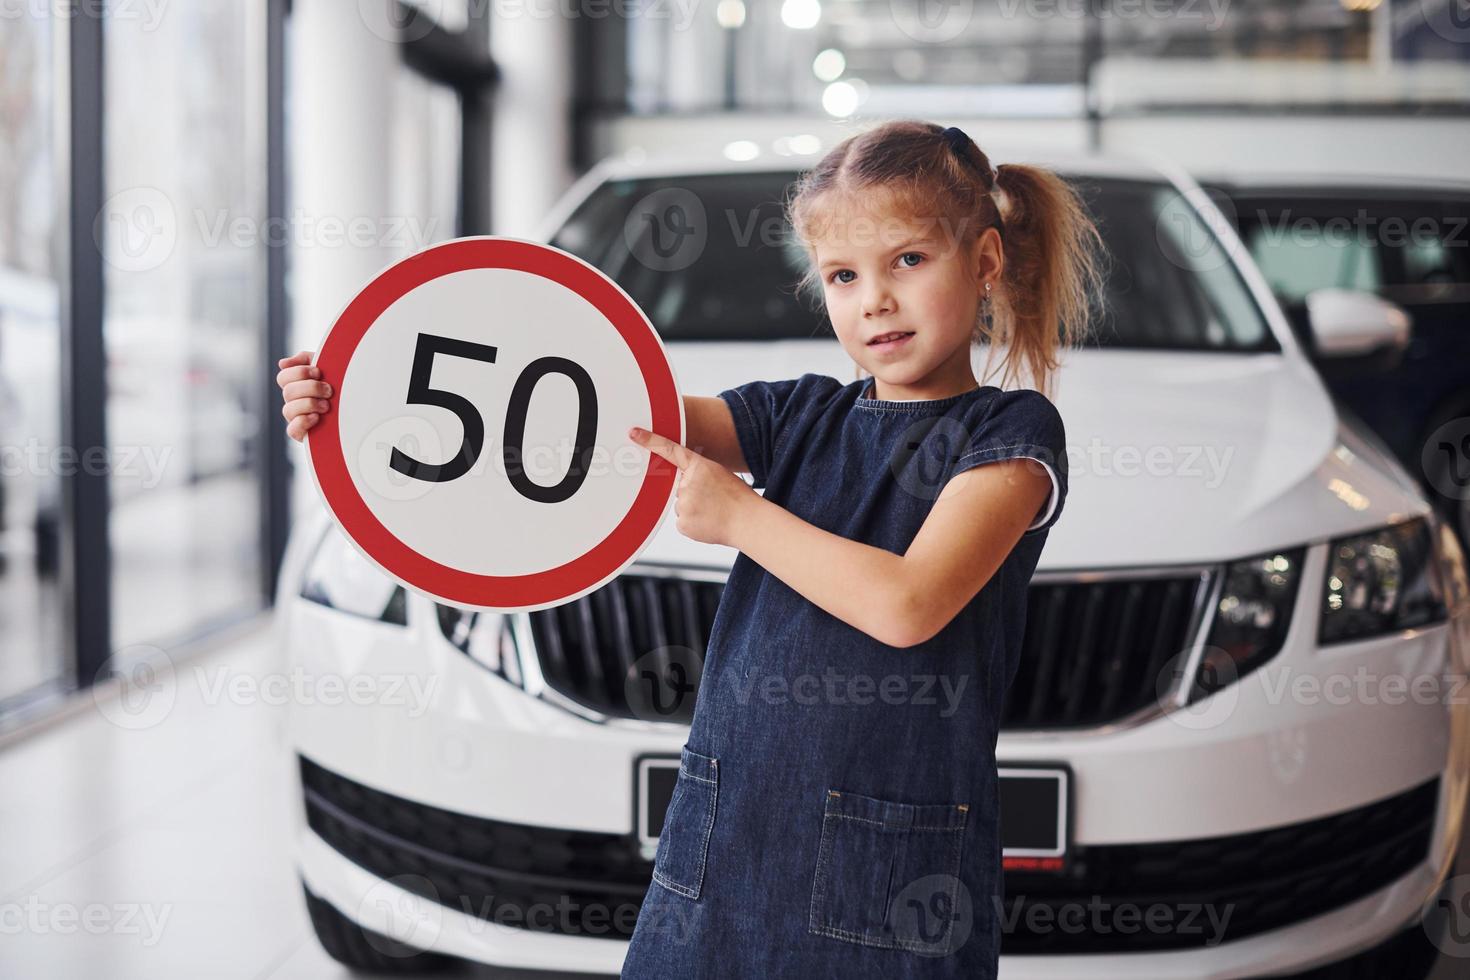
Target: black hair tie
<point>958,139</point>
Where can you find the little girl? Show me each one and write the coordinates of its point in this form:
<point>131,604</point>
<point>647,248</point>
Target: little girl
<point>835,812</point>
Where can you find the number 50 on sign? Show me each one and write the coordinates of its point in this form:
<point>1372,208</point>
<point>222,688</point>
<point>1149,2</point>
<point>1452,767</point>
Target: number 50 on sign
<point>476,449</point>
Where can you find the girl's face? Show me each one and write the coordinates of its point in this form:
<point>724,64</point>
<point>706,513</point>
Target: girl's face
<point>884,275</point>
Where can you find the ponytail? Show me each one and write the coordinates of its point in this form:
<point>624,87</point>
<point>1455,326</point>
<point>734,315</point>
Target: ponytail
<point>1053,270</point>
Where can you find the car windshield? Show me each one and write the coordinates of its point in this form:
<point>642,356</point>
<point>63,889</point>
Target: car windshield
<point>1409,250</point>
<point>710,257</point>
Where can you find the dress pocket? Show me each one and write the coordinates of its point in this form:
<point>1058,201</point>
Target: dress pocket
<point>678,863</point>
<point>888,873</point>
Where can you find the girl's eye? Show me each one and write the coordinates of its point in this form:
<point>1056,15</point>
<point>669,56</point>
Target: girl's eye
<point>907,265</point>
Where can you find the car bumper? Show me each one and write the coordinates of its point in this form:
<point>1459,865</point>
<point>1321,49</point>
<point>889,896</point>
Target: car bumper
<point>1289,744</point>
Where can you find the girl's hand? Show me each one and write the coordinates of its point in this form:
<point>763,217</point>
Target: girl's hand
<point>305,394</point>
<point>709,499</point>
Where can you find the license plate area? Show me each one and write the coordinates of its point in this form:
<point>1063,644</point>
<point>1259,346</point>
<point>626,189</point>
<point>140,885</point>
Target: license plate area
<point>1035,811</point>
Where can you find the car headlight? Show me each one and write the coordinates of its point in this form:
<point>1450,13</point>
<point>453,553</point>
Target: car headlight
<point>1380,582</point>
<point>1252,614</point>
<point>484,637</point>
<point>340,577</point>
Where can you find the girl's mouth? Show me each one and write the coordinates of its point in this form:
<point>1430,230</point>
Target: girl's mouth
<point>890,341</point>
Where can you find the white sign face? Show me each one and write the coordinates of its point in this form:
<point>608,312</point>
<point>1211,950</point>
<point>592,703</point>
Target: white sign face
<point>476,449</point>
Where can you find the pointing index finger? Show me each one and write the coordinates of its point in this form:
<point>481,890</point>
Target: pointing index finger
<point>663,446</point>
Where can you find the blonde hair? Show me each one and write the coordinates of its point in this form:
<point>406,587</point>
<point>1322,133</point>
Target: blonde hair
<point>1054,255</point>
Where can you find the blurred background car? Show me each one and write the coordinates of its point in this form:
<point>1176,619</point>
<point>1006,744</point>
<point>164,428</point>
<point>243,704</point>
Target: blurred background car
<point>1407,244</point>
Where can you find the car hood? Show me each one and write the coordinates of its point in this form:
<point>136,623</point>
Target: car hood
<point>1173,457</point>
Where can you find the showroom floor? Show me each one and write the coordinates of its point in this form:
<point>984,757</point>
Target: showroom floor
<point>151,839</point>
<point>148,841</point>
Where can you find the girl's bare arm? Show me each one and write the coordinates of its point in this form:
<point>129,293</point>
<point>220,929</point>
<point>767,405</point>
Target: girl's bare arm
<point>901,600</point>
<point>711,432</point>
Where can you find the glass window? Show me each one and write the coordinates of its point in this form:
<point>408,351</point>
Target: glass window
<point>184,243</point>
<point>1300,256</point>
<point>31,643</point>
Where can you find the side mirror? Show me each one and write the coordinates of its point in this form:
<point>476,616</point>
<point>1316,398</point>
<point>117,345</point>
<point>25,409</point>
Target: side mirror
<point>1351,323</point>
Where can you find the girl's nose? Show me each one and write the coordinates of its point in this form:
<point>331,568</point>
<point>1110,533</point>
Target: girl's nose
<point>877,301</point>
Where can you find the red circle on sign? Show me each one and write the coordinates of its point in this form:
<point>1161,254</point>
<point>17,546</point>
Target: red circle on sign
<point>553,585</point>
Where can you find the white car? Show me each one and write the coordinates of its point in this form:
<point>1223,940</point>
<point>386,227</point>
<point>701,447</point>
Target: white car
<point>1219,757</point>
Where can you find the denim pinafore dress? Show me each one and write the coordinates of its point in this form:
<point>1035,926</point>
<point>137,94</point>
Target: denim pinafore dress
<point>835,813</point>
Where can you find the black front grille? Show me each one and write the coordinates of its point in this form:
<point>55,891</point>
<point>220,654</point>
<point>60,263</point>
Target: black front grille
<point>1253,882</point>
<point>538,878</point>
<point>1093,651</point>
<point>590,647</point>
<point>1091,654</point>
<point>581,883</point>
